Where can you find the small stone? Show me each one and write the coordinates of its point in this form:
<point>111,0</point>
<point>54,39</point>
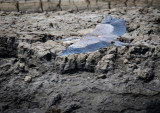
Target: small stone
<point>21,65</point>
<point>27,78</point>
<point>125,61</point>
<point>101,76</point>
<point>126,38</point>
<point>137,60</point>
<point>110,56</point>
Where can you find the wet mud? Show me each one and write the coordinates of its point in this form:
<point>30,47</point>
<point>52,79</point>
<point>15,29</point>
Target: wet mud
<point>33,78</point>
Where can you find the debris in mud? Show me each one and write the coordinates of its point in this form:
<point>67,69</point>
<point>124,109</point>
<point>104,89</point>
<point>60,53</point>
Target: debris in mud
<point>27,78</point>
<point>101,76</point>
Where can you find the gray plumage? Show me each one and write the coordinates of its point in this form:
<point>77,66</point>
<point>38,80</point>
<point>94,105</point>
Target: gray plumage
<point>103,35</point>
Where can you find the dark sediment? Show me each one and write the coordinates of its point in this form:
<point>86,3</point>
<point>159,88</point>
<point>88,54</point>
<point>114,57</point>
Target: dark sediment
<point>33,78</point>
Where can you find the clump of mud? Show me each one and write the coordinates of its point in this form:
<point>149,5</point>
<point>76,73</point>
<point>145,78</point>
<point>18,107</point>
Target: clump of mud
<point>33,78</point>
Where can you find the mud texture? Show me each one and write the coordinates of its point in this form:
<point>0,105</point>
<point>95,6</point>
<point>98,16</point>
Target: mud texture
<point>63,5</point>
<point>34,79</point>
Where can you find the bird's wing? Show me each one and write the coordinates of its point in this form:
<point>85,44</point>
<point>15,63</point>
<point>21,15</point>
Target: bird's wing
<point>115,27</point>
<point>101,36</point>
<point>119,27</point>
<point>88,43</point>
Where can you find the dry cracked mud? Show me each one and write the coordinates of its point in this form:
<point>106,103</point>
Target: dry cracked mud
<point>34,79</point>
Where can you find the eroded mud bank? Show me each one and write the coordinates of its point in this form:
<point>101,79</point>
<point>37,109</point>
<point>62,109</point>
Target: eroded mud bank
<point>112,80</point>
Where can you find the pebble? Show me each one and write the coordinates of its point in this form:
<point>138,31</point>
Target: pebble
<point>27,78</point>
<point>101,76</point>
<point>125,61</point>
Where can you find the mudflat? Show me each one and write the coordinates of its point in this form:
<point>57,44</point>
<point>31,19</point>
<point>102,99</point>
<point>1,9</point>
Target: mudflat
<point>33,78</point>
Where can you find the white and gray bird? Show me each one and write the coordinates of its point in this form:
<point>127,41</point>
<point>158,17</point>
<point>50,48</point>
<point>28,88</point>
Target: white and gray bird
<point>103,35</point>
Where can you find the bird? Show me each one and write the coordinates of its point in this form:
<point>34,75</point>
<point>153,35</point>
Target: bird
<point>102,36</point>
